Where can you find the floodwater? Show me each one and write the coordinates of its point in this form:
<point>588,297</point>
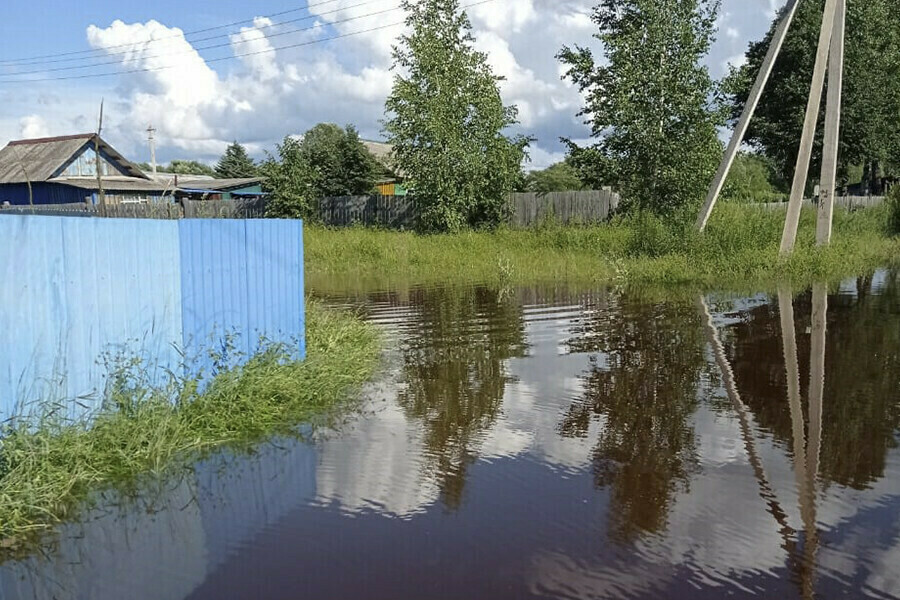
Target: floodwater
<point>549,442</point>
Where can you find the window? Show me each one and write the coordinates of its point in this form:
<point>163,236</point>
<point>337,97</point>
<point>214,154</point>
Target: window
<point>86,165</point>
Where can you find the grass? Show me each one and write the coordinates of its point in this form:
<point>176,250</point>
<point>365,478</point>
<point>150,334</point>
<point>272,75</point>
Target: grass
<point>739,250</point>
<point>50,468</point>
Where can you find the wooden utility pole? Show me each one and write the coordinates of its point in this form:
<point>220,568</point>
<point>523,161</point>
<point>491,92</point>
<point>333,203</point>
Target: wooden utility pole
<point>801,172</point>
<point>101,197</point>
<point>749,109</point>
<point>27,178</point>
<point>152,139</point>
<point>827,183</point>
<point>830,59</point>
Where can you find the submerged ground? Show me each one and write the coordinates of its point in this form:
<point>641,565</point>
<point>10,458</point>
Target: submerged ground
<point>545,426</point>
<point>548,441</point>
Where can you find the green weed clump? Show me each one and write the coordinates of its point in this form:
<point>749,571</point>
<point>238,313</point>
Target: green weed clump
<point>50,467</point>
<point>893,204</point>
<point>739,249</point>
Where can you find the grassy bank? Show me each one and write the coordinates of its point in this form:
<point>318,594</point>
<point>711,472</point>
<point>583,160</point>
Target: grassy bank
<point>49,468</point>
<point>739,249</point>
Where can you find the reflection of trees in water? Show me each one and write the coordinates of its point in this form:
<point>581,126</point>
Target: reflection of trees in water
<point>862,350</point>
<point>643,384</point>
<point>454,367</point>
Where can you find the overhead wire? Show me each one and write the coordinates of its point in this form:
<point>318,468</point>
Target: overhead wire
<point>226,58</point>
<point>230,43</point>
<point>38,59</point>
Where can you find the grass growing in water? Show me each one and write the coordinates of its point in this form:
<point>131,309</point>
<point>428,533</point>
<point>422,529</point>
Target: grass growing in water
<point>739,249</point>
<point>49,468</point>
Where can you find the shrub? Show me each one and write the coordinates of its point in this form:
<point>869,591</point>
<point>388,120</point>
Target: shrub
<point>893,203</point>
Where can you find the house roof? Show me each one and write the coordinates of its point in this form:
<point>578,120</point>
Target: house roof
<point>217,185</point>
<point>115,184</point>
<point>39,159</point>
<point>380,150</point>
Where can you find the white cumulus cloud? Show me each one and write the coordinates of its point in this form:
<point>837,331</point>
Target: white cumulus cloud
<point>273,79</point>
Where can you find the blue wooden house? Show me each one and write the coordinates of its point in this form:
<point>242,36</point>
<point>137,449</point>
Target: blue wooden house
<point>63,170</point>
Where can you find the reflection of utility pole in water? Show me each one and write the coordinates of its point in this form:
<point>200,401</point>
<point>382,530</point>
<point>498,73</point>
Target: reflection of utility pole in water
<point>806,456</point>
<point>765,488</point>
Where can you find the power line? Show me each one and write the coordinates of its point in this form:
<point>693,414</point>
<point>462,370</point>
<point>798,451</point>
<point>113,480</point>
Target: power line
<point>26,60</point>
<point>233,57</point>
<point>212,60</point>
<point>213,46</point>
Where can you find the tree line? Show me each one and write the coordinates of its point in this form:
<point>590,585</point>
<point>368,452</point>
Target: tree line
<point>652,107</point>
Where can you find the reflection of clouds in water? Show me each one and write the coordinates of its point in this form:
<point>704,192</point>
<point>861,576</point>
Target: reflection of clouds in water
<point>720,526</point>
<point>718,530</point>
<point>529,424</point>
<point>721,531</point>
<point>885,575</point>
<point>559,576</point>
<point>378,464</point>
<point>545,384</point>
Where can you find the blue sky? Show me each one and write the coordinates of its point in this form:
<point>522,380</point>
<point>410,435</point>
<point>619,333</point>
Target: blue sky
<point>198,107</point>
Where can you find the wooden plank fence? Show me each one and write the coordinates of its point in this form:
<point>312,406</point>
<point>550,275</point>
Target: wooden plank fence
<point>392,212</point>
<point>569,208</point>
<point>525,210</point>
<point>845,202</point>
<point>182,209</point>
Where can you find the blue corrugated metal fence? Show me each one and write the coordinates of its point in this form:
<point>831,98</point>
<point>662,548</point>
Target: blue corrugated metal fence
<point>75,294</point>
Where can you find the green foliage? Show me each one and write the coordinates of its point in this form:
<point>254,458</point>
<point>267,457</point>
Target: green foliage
<point>445,119</point>
<point>338,162</point>
<point>650,104</point>
<point>561,177</point>
<point>287,178</point>
<point>328,161</point>
<point>893,202</point>
<point>236,163</point>
<point>752,179</point>
<point>181,167</point>
<point>740,249</point>
<point>49,467</point>
<point>870,130</point>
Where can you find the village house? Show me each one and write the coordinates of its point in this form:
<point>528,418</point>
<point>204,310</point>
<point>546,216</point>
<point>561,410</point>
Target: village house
<point>391,183</point>
<point>63,170</point>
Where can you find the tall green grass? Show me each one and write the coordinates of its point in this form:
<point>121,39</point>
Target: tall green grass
<point>893,204</point>
<point>739,249</point>
<point>49,467</point>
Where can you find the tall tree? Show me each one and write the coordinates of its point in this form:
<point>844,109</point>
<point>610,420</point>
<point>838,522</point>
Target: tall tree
<point>446,121</point>
<point>559,177</point>
<point>870,130</point>
<point>236,163</point>
<point>651,104</point>
<point>328,161</point>
<point>181,167</point>
<point>190,167</point>
<point>287,178</point>
<point>338,162</point>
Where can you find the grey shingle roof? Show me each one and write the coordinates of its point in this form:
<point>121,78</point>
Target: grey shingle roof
<point>217,184</point>
<point>115,184</point>
<point>39,159</point>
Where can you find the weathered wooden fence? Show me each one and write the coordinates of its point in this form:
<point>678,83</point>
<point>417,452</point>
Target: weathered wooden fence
<point>393,212</point>
<point>846,202</point>
<point>525,210</point>
<point>182,209</point>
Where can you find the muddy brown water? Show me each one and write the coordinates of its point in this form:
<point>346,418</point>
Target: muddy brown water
<point>548,442</point>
